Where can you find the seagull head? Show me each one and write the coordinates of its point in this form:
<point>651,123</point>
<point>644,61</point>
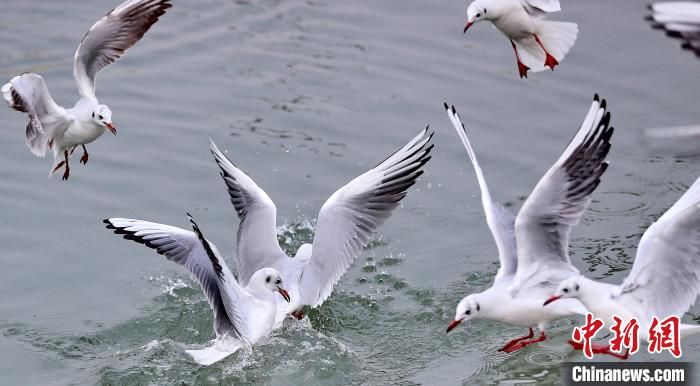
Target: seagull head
<point>272,280</point>
<point>467,309</point>
<point>102,116</point>
<point>476,12</point>
<point>569,288</point>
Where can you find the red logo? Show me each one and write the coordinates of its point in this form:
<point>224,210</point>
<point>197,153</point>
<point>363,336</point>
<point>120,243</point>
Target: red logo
<point>584,335</point>
<point>665,335</point>
<point>625,337</point>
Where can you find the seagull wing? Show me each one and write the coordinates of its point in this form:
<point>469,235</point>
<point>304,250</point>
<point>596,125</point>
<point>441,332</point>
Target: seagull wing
<point>681,20</point>
<point>560,197</point>
<point>257,233</point>
<point>500,220</point>
<point>665,276</point>
<point>353,213</point>
<point>200,258</point>
<point>111,36</point>
<point>543,6</point>
<point>28,93</point>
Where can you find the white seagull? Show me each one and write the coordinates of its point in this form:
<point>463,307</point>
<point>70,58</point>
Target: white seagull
<point>533,248</point>
<point>242,314</point>
<point>680,19</point>
<point>664,280</point>
<point>537,43</point>
<point>346,222</point>
<point>51,126</point>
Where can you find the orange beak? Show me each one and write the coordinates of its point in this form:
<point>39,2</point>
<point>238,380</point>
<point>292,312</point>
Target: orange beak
<point>452,325</point>
<point>466,27</point>
<point>284,293</point>
<point>111,128</point>
<point>551,299</point>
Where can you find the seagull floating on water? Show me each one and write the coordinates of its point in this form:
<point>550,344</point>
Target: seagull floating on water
<point>346,222</point>
<point>51,126</point>
<point>664,279</point>
<point>242,314</point>
<point>537,43</point>
<point>680,19</point>
<point>533,248</point>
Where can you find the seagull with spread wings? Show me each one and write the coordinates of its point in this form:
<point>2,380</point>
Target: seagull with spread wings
<point>51,126</point>
<point>346,222</point>
<point>533,248</point>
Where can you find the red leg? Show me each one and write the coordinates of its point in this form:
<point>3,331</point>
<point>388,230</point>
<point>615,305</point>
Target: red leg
<point>549,61</point>
<point>521,67</point>
<point>524,343</point>
<point>598,348</point>
<point>298,314</point>
<point>84,158</point>
<point>67,172</point>
<point>517,340</point>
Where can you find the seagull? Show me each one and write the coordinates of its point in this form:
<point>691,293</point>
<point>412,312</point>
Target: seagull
<point>537,43</point>
<point>664,279</point>
<point>51,126</point>
<point>533,248</point>
<point>680,19</point>
<point>242,314</point>
<point>346,222</point>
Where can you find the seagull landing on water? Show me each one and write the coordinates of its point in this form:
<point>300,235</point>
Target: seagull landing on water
<point>51,126</point>
<point>345,225</point>
<point>664,280</point>
<point>537,43</point>
<point>533,248</point>
<point>242,315</point>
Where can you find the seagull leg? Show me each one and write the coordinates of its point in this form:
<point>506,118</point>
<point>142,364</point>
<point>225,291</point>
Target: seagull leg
<point>84,158</point>
<point>549,61</point>
<point>598,348</point>
<point>67,172</point>
<point>298,314</point>
<point>522,69</point>
<point>516,341</point>
<point>524,343</point>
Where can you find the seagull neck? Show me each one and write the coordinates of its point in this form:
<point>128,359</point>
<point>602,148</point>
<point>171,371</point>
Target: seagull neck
<point>592,292</point>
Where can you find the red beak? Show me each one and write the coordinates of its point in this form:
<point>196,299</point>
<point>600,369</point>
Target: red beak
<point>466,27</point>
<point>284,294</point>
<point>551,299</point>
<point>452,325</point>
<point>111,128</point>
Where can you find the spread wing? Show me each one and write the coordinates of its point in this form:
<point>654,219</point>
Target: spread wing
<point>543,6</point>
<point>257,233</point>
<point>28,93</point>
<point>111,36</point>
<point>665,276</point>
<point>681,20</point>
<point>353,213</point>
<point>561,196</point>
<point>200,258</point>
<point>500,220</point>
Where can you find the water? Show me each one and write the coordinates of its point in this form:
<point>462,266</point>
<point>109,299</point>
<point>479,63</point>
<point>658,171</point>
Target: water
<point>304,96</point>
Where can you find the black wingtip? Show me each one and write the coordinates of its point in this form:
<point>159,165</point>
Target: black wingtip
<point>446,106</point>
<point>603,104</point>
<point>596,97</point>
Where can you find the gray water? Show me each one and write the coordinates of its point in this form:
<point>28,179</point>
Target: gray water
<point>304,96</point>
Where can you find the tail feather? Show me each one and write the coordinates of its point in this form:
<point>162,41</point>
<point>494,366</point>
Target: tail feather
<point>213,354</point>
<point>557,37</point>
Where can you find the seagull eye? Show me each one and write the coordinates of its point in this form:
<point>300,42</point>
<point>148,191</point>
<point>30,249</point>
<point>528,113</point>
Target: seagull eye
<point>278,281</point>
<point>267,279</point>
<point>478,14</point>
<point>468,312</point>
<point>100,117</point>
<point>566,290</point>
<point>576,287</point>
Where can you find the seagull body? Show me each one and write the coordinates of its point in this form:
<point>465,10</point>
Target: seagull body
<point>537,43</point>
<point>51,126</point>
<point>681,20</point>
<point>533,248</point>
<point>242,314</point>
<point>346,222</point>
<point>664,279</point>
